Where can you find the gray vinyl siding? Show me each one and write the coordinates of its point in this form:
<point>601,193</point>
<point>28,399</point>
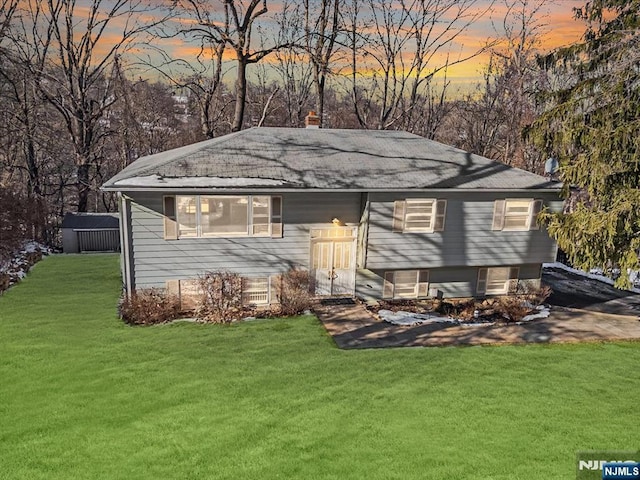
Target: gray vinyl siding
<point>467,239</point>
<point>157,260</point>
<point>452,282</point>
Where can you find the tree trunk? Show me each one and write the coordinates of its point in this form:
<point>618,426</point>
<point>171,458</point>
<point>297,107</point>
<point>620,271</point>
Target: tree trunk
<point>82,185</point>
<point>241,95</point>
<point>33,184</point>
<point>320,102</point>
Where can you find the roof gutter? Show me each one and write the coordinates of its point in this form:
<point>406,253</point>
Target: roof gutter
<point>321,190</point>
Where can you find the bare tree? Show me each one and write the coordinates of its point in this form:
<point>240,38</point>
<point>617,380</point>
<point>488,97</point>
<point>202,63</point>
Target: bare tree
<point>357,31</point>
<point>402,44</point>
<point>491,120</point>
<point>77,55</point>
<point>7,10</point>
<point>322,26</point>
<point>23,69</point>
<point>292,64</point>
<point>201,76</point>
<point>235,27</point>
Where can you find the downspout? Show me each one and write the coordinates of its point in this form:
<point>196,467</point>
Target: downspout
<point>125,255</point>
<point>363,231</point>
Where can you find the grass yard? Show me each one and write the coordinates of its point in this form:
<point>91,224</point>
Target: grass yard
<point>83,396</point>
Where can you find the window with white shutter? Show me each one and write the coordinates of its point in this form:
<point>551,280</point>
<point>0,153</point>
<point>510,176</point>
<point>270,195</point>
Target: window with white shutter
<point>516,214</point>
<point>424,215</point>
<point>224,216</point>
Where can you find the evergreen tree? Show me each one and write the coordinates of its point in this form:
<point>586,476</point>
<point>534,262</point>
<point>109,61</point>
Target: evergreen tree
<point>591,123</point>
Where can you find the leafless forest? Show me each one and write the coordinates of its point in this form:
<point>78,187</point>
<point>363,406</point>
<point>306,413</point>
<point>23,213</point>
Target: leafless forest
<point>88,87</point>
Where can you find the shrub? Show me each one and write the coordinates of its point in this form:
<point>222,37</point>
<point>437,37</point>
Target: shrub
<point>294,291</point>
<point>537,295</point>
<point>458,308</point>
<point>149,306</point>
<point>513,309</point>
<point>221,300</point>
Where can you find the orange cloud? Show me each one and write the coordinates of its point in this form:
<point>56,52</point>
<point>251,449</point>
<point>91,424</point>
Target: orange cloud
<point>558,28</point>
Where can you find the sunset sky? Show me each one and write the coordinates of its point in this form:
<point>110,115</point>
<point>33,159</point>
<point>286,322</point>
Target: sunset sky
<point>558,28</point>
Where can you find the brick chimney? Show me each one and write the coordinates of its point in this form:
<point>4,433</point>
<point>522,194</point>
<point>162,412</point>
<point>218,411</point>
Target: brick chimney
<point>312,120</point>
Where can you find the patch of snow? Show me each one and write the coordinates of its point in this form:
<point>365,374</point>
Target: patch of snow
<point>32,247</point>
<point>16,268</point>
<point>410,318</point>
<point>593,276</point>
<point>213,182</point>
<point>543,312</point>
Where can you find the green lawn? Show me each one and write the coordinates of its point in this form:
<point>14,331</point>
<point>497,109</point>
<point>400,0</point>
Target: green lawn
<point>83,396</point>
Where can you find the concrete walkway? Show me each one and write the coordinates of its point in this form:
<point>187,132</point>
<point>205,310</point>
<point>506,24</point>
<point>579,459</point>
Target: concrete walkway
<point>353,326</point>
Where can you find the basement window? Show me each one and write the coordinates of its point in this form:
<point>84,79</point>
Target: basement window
<point>406,284</point>
<point>255,291</point>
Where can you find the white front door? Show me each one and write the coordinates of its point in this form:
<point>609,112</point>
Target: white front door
<point>333,260</point>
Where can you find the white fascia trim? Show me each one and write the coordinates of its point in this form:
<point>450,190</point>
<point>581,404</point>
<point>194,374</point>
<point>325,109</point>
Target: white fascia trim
<point>204,190</point>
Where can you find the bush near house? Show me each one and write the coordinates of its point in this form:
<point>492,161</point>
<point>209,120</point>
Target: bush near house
<point>507,308</point>
<point>293,291</point>
<point>149,306</point>
<point>221,297</point>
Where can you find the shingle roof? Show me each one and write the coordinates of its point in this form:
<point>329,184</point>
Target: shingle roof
<point>90,221</point>
<point>292,158</point>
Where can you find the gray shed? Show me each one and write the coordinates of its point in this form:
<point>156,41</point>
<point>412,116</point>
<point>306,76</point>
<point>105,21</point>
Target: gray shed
<point>90,232</point>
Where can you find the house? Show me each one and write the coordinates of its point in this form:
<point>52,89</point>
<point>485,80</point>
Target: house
<point>375,214</point>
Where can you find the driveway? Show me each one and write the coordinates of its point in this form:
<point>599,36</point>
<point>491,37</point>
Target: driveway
<point>583,310</point>
<point>353,326</point>
<point>579,292</point>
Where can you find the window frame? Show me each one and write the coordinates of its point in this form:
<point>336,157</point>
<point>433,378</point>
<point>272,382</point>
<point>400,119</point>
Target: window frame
<point>431,215</point>
<point>200,224</point>
<point>420,287</point>
<point>437,215</point>
<point>247,290</point>
<point>509,283</point>
<point>274,217</point>
<point>500,214</point>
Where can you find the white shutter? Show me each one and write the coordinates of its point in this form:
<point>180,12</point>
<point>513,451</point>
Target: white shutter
<point>536,208</point>
<point>498,214</point>
<point>398,215</point>
<point>387,290</point>
<point>441,210</point>
<point>169,211</point>
<point>481,286</point>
